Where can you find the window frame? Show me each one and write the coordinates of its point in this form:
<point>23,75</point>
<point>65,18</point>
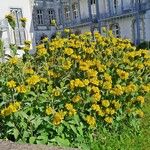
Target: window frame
<point>40,16</point>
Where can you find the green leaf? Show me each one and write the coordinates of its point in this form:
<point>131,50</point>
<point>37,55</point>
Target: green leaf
<point>23,114</point>
<point>32,140</point>
<point>25,134</point>
<point>37,122</point>
<point>74,129</point>
<point>10,124</point>
<point>16,133</point>
<point>62,142</point>
<point>42,139</point>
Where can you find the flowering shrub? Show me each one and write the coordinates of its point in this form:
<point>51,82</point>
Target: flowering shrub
<point>23,22</point>
<point>11,20</point>
<point>70,87</point>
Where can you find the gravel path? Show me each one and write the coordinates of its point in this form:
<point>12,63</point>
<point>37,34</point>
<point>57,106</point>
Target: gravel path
<point>8,145</point>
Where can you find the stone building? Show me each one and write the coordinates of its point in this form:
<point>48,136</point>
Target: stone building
<point>126,18</point>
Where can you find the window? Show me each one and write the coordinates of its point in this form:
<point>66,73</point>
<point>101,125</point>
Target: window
<point>40,17</point>
<point>19,32</point>
<point>93,2</point>
<point>93,7</point>
<point>75,10</point>
<point>67,12</point>
<point>116,30</point>
<point>51,14</point>
<point>115,3</point>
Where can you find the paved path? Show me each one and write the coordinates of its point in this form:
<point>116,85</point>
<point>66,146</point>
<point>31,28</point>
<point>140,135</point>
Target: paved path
<point>8,145</point>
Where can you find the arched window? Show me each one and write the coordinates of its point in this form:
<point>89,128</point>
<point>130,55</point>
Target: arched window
<point>67,12</point>
<point>75,10</point>
<point>115,29</point>
<point>135,33</point>
<point>93,7</point>
<point>52,16</point>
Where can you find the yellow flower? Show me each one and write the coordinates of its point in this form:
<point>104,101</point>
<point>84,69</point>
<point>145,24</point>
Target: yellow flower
<point>101,113</point>
<point>69,106</point>
<point>139,113</point>
<point>58,117</point>
<point>86,82</point>
<point>107,85</point>
<point>109,120</point>
<point>90,120</point>
<point>78,83</point>
<point>116,104</point>
<point>44,80</point>
<point>96,97</point>
<point>107,77</point>
<point>76,99</point>
<point>67,65</point>
<point>14,60</point>
<point>96,107</point>
<point>68,51</point>
<point>11,84</point>
<point>140,99</point>
<point>23,19</point>
<point>33,80</point>
<point>92,73</point>
<point>67,30</point>
<point>130,88</point>
<point>56,92</point>
<point>27,42</point>
<point>95,89</point>
<point>146,88</point>
<point>49,111</point>
<point>118,90</point>
<point>21,89</point>
<point>53,22</point>
<point>29,71</point>
<point>122,74</point>
<point>94,81</point>
<point>89,50</point>
<point>72,112</point>
<point>42,51</point>
<point>12,108</point>
<point>105,103</point>
<point>109,111</point>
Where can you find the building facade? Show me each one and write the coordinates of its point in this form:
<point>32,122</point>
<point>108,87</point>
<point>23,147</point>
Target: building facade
<point>19,9</point>
<point>126,18</point>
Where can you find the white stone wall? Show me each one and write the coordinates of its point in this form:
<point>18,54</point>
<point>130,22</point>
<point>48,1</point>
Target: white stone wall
<point>27,12</point>
<point>147,25</point>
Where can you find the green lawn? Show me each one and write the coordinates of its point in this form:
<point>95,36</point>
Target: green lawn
<point>127,140</point>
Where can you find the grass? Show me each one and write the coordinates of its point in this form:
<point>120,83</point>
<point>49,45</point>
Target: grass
<point>127,140</point>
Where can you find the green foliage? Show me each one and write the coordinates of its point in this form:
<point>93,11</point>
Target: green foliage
<point>144,45</point>
<point>1,48</point>
<point>77,91</point>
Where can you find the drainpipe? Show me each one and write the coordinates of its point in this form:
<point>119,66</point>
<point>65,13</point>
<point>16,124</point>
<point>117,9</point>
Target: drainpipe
<point>122,8</point>
<point>62,11</point>
<point>137,18</point>
<point>90,14</point>
<point>109,7</point>
<point>79,9</point>
<point>98,16</point>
